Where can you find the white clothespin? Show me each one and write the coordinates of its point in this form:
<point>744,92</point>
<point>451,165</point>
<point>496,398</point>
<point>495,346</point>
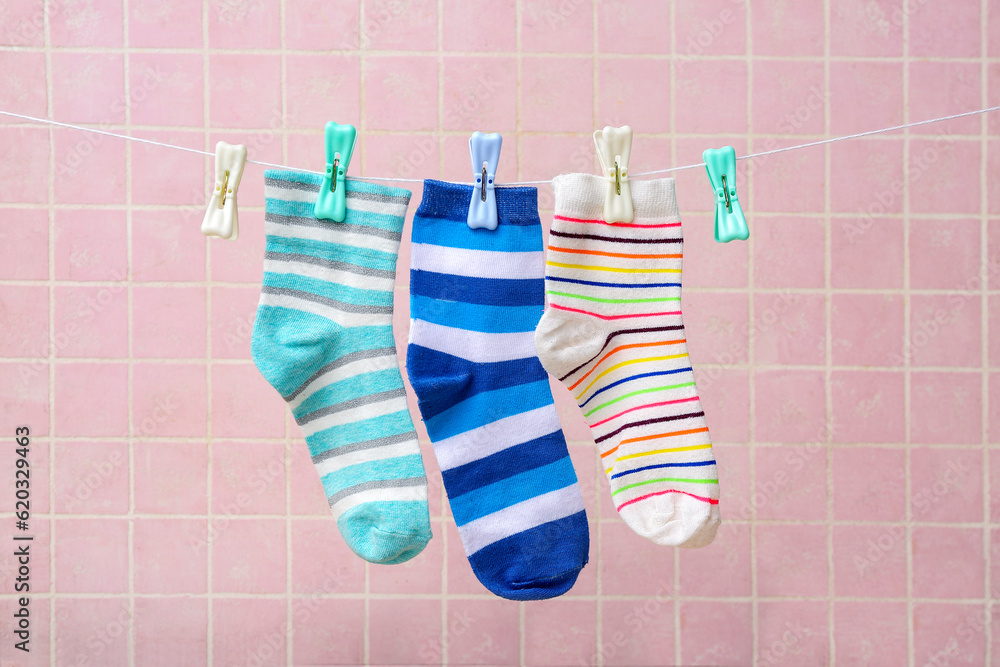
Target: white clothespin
<point>222,218</point>
<point>614,146</point>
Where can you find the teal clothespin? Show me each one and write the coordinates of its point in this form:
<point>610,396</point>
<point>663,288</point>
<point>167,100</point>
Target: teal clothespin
<point>730,223</point>
<point>332,201</point>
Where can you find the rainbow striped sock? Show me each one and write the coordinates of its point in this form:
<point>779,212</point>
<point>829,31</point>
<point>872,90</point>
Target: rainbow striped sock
<point>612,333</point>
<point>476,296</point>
<point>323,338</point>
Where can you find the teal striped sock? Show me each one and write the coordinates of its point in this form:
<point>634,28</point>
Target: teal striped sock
<point>323,339</point>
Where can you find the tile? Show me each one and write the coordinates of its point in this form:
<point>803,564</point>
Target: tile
<point>791,330</point>
<point>633,565</point>
<point>244,404</point>
<point>790,482</point>
<point>791,560</point>
<point>866,252</point>
<point>320,87</point>
<point>707,263</point>
<point>869,484</point>
<point>722,569</point>
<point>248,556</point>
<point>23,91</point>
<point>90,245</point>
<point>725,398</point>
<point>90,478</point>
<point>947,562</point>
<point>82,411</point>
<point>482,632</point>
<point>322,563</point>
<point>478,27</point>
<point>170,477</point>
<point>39,458</point>
<point>867,176</point>
<point>942,32</point>
<point>867,329</point>
<point>171,631</point>
<point>411,82</point>
<point>788,29</point>
<point>420,574</point>
<point>701,641</point>
<point>698,85</point>
<point>89,168</point>
<point>41,559</point>
<point>24,254</point>
<point>92,320</point>
<point>793,633</point>
<point>248,477</point>
<point>24,396</point>
<point>170,23</point>
<point>795,181</point>
<point>243,26</point>
<point>327,24</point>
<point>868,406</point>
<point>946,485</point>
<point>871,632</point>
<point>949,632</point>
<point>91,629</point>
<point>307,494</point>
<point>169,400</point>
<point>168,177</point>
<point>403,25</point>
<point>550,26</point>
<point>869,561</point>
<point>91,555</point>
<point>559,632</point>
<point>233,312</point>
<point>480,93</point>
<point>791,406</point>
<point>26,173</point>
<point>328,631</point>
<point>950,248</point>
<point>166,89</point>
<point>637,632</point>
<point>167,247</point>
<point>865,95</point>
<point>943,88</point>
<point>237,78</point>
<point>24,322</point>
<point>945,407</point>
<point>390,642</point>
<point>170,556</point>
<point>27,23</point>
<point>789,97</point>
<point>550,89</point>
<point>948,173</point>
<point>241,262</point>
<point>788,252</point>
<point>709,28</point>
<point>91,88</point>
<point>246,630</point>
<point>866,28</point>
<point>716,326</point>
<point>169,322</point>
<point>634,92</point>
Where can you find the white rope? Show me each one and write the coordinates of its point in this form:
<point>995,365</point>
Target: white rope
<point>392,179</point>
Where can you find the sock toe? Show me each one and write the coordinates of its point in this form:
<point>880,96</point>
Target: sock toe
<point>386,533</point>
<point>674,520</point>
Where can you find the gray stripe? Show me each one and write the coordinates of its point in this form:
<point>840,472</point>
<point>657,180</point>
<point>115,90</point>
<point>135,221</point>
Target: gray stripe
<point>376,484</point>
<point>368,444</point>
<point>343,361</point>
<point>329,264</point>
<point>290,220</point>
<point>347,405</point>
<point>351,194</point>
<point>331,303</point>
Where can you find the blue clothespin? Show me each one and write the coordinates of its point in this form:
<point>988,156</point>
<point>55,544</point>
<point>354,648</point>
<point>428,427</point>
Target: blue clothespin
<point>485,152</point>
<point>730,223</point>
<point>332,201</point>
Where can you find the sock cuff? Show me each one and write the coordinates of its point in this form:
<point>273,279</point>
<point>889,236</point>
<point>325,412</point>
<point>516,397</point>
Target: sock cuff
<point>450,201</point>
<point>582,196</point>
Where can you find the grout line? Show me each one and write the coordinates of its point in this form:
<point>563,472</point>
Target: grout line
<point>51,368</point>
<point>907,376</point>
<point>828,335</point>
<point>206,113</point>
<point>985,457</point>
<point>751,343</point>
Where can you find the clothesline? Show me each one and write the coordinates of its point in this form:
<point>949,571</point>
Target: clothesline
<point>514,183</point>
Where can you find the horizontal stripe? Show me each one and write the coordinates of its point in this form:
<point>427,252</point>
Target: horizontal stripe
<point>476,263</point>
<point>614,317</point>
<point>363,412</point>
<point>337,295</point>
<point>616,224</point>
<point>630,379</point>
<point>689,448</point>
<point>372,484</point>
<point>623,332</point>
<point>344,319</point>
<point>523,516</point>
<point>376,444</point>
<point>606,284</point>
<point>686,464</point>
<point>614,269</point>
<point>611,239</point>
<point>349,279</point>
<point>380,384</point>
<point>506,463</point>
<point>643,407</point>
<point>628,362</point>
<point>657,436</point>
<point>647,422</point>
<point>600,300</point>
<point>442,381</point>
<point>488,407</point>
<point>311,182</point>
<point>677,480</point>
<point>360,456</point>
<point>515,489</point>
<point>636,393</point>
<point>296,224</point>
<point>472,345</point>
<point>349,404</point>
<point>484,319</point>
<point>276,258</point>
<point>452,233</point>
<point>416,492</point>
<point>326,301</point>
<point>335,256</point>
<point>484,291</point>
<point>602,253</point>
<point>362,214</point>
<point>496,436</point>
<point>619,349</point>
<point>371,427</point>
<point>346,360</point>
<point>660,493</point>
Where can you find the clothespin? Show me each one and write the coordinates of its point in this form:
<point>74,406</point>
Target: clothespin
<point>332,201</point>
<point>730,223</point>
<point>222,217</point>
<point>485,152</point>
<point>614,146</point>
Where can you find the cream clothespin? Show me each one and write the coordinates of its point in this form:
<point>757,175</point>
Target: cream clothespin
<point>222,217</point>
<point>614,146</point>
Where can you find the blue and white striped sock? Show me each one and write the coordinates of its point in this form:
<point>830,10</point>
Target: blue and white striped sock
<point>323,338</point>
<point>475,298</point>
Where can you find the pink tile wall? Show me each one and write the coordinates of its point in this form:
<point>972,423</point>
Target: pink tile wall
<point>846,353</point>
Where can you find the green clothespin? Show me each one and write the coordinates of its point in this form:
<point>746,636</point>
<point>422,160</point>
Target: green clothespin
<point>332,201</point>
<point>730,223</point>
